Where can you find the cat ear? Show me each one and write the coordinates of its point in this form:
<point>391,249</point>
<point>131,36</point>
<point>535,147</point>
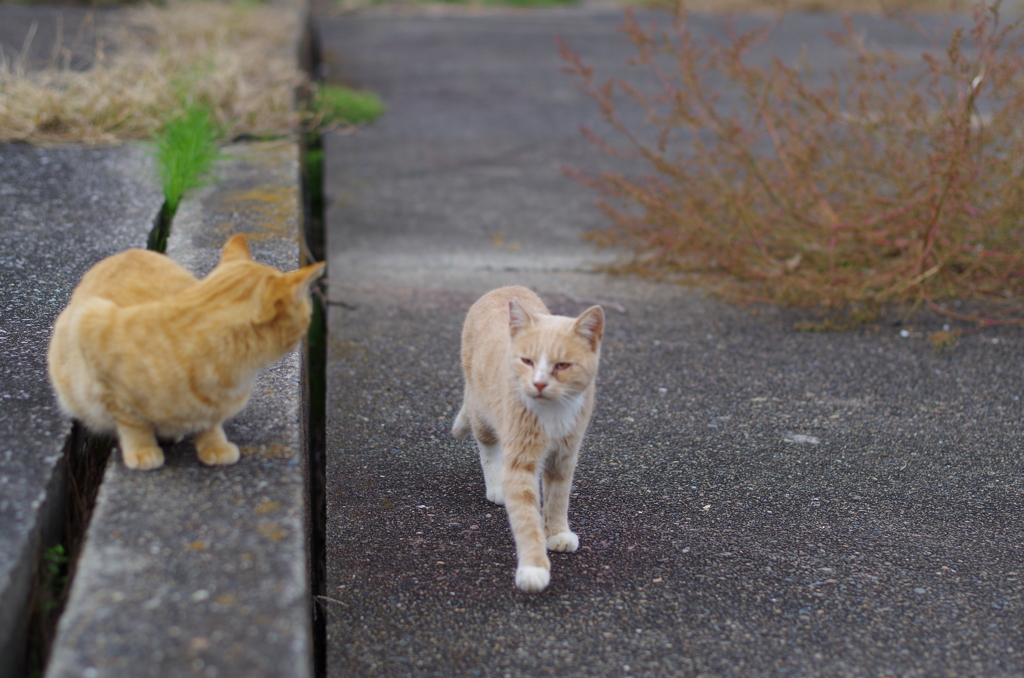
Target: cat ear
<point>590,326</point>
<point>299,281</point>
<point>290,288</point>
<point>518,317</point>
<point>235,249</point>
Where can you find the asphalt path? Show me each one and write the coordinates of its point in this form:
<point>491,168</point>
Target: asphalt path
<point>751,500</point>
<point>41,36</point>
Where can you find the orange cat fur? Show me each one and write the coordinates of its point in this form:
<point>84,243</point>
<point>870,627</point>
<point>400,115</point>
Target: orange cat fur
<point>143,349</point>
<point>530,382</point>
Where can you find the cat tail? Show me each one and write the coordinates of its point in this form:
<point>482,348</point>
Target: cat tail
<point>462,428</point>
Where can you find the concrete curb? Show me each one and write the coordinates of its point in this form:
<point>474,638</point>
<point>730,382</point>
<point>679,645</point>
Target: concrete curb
<point>191,569</point>
<point>61,211</point>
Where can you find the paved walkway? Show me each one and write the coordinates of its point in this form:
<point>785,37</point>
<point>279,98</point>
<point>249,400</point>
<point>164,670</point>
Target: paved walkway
<point>750,500</point>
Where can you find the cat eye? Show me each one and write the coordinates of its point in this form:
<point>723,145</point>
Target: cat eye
<point>562,366</point>
<point>527,361</point>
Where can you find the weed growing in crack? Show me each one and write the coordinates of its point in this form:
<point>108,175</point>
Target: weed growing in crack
<point>885,185</point>
<point>55,563</point>
<point>338,104</point>
<point>536,3</point>
<point>186,150</point>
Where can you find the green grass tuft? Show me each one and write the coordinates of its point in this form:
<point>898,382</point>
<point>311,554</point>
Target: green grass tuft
<point>336,103</point>
<point>186,151</point>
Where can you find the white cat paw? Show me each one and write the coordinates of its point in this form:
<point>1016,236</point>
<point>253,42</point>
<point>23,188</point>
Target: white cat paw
<point>218,454</point>
<point>563,541</point>
<point>143,458</point>
<point>532,579</point>
<point>496,496</point>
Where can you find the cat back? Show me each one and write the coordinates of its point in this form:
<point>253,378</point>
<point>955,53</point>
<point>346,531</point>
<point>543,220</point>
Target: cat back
<point>143,349</point>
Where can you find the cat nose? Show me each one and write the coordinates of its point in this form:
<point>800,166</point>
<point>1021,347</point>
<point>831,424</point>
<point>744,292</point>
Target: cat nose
<point>539,385</point>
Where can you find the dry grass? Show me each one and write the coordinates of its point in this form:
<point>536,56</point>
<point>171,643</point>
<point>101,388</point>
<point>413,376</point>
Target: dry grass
<point>838,6</point>
<point>233,59</point>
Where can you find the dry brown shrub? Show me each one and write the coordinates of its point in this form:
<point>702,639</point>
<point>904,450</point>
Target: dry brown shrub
<point>232,58</point>
<point>882,186</point>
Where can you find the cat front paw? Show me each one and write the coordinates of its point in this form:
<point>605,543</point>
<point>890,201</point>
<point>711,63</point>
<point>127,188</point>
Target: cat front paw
<point>218,454</point>
<point>143,458</point>
<point>531,579</point>
<point>563,541</point>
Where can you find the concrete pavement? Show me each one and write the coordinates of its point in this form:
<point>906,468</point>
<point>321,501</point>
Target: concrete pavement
<point>61,210</point>
<point>40,36</point>
<point>751,500</point>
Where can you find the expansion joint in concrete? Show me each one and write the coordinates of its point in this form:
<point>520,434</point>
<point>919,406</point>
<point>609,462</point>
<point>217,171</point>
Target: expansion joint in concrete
<point>311,164</point>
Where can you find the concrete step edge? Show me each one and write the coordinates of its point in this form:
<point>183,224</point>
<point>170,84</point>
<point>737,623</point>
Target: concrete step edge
<point>195,569</point>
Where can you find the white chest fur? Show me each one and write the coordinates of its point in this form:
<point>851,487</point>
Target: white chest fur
<point>557,418</point>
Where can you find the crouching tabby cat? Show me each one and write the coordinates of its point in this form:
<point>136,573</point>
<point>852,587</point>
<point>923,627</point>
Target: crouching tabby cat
<point>143,349</point>
<point>529,395</point>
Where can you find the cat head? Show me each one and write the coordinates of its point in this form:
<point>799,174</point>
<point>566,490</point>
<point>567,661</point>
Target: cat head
<point>554,358</point>
<point>271,299</point>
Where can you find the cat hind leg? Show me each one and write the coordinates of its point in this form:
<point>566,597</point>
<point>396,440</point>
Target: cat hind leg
<point>557,488</point>
<point>214,448</point>
<point>490,461</point>
<point>563,541</point>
